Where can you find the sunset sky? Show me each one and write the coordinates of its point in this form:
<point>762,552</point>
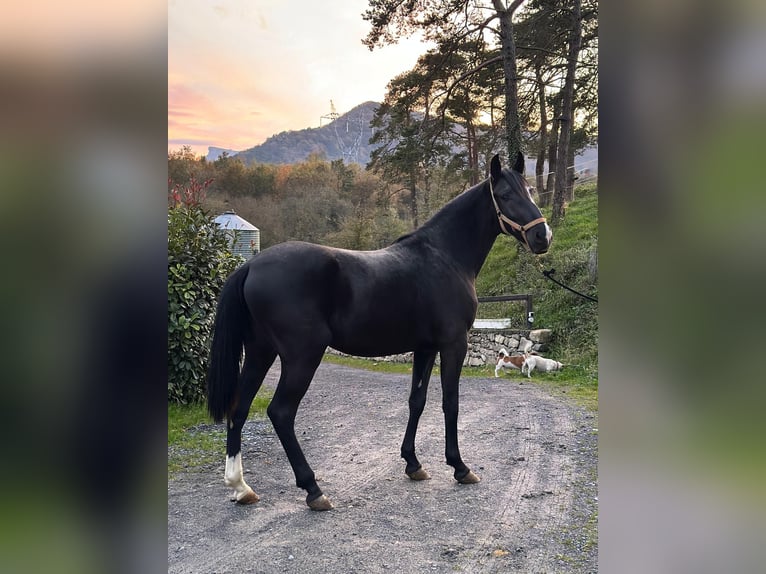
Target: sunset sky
<point>240,71</point>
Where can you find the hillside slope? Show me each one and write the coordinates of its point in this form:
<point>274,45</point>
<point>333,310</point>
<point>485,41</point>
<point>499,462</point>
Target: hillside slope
<point>345,138</point>
<point>574,256</point>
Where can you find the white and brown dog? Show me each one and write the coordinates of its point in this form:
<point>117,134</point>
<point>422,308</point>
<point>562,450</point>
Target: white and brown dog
<point>540,363</point>
<point>505,361</point>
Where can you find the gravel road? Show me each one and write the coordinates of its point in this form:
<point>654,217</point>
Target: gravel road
<point>535,509</point>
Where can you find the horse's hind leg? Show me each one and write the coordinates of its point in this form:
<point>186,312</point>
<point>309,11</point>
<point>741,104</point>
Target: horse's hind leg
<point>297,373</point>
<point>422,365</point>
<point>258,361</point>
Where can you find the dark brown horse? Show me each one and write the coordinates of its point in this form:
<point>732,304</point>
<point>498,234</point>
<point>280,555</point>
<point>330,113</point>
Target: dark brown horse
<point>296,299</point>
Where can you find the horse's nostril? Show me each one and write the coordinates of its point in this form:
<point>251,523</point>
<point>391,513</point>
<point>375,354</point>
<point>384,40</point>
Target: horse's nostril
<point>542,240</point>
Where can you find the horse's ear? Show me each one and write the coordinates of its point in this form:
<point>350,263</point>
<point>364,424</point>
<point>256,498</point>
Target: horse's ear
<point>494,167</point>
<point>518,167</point>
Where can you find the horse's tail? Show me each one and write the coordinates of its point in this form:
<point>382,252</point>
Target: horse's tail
<point>231,321</point>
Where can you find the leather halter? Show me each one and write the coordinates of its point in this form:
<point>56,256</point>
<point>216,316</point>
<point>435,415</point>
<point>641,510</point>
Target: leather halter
<point>502,219</point>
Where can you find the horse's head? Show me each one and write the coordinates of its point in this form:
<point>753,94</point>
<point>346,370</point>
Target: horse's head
<point>517,213</point>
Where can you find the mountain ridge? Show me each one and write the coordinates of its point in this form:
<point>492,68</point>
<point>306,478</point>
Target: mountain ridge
<point>347,137</point>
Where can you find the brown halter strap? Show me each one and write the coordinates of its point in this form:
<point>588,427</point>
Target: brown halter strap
<point>502,219</point>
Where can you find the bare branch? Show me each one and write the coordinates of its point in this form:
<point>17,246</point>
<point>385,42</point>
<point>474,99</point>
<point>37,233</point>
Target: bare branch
<point>543,50</point>
<point>500,6</point>
<point>446,95</point>
<point>516,3</point>
<point>463,76</point>
<point>472,30</point>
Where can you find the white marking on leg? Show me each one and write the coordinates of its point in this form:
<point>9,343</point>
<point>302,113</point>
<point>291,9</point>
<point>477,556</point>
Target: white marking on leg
<point>233,477</point>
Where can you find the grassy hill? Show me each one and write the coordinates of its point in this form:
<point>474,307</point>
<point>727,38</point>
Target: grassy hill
<point>574,255</point>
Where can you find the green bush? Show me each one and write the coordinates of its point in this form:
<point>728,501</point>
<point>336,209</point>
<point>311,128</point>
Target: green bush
<point>199,261</point>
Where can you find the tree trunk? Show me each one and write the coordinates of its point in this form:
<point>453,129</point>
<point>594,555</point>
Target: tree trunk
<point>426,166</point>
<point>508,50</point>
<point>427,193</point>
<point>547,197</point>
<point>414,200</point>
<point>570,172</point>
<point>473,154</point>
<point>575,39</point>
<point>542,139</point>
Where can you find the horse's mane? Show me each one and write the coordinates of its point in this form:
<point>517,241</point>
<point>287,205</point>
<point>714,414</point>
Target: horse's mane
<point>403,237</point>
<point>411,233</point>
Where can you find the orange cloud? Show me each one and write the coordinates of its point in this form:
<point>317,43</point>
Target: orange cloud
<point>240,75</point>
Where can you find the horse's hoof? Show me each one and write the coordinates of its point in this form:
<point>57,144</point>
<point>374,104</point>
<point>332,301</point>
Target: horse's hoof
<point>248,498</point>
<point>469,478</point>
<point>419,474</point>
<point>320,503</point>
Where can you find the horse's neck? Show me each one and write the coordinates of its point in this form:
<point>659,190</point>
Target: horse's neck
<point>465,229</point>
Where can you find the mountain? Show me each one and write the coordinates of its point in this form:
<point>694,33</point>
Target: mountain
<point>585,163</point>
<point>347,137</point>
<point>213,153</point>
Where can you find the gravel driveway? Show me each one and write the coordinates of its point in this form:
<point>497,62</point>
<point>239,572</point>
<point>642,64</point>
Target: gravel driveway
<point>535,509</point>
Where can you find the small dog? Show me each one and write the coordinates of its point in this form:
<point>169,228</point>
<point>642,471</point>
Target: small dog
<point>505,361</point>
<point>541,363</point>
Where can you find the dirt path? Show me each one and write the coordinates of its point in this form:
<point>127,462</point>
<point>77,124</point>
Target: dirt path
<point>534,510</point>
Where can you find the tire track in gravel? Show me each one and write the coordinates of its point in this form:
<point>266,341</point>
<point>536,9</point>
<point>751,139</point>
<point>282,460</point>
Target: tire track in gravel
<point>536,454</point>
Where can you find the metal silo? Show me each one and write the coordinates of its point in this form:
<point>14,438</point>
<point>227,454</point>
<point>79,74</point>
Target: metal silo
<point>246,237</point>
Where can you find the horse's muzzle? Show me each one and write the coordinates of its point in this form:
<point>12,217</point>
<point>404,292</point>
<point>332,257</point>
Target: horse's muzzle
<point>539,238</point>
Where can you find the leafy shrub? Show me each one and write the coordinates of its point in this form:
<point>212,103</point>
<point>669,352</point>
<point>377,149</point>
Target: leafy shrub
<point>199,261</point>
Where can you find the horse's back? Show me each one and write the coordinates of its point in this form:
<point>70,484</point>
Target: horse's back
<point>366,302</point>
<point>290,273</point>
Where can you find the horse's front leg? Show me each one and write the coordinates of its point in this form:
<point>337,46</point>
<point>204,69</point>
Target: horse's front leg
<point>422,365</point>
<point>451,367</point>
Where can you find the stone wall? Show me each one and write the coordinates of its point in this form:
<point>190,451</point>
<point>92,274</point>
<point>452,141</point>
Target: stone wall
<point>484,346</point>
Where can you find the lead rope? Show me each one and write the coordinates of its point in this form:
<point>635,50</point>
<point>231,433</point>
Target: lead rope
<point>549,275</point>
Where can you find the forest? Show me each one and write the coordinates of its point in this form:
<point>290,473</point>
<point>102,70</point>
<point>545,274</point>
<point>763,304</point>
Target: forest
<point>521,76</point>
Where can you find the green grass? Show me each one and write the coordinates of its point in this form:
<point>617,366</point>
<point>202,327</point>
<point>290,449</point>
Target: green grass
<point>370,365</point>
<point>579,227</point>
<point>581,219</point>
<point>497,276</point>
<point>194,440</point>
